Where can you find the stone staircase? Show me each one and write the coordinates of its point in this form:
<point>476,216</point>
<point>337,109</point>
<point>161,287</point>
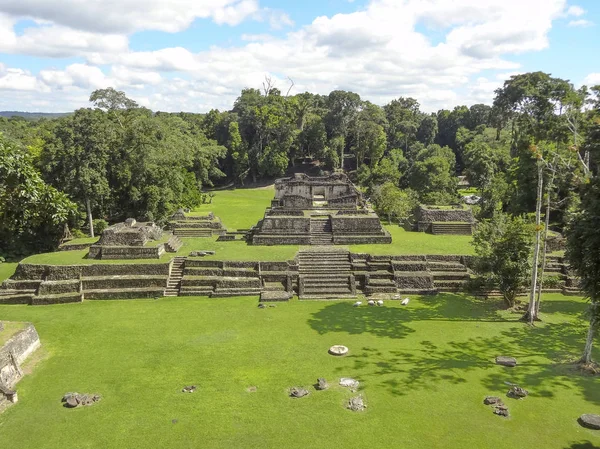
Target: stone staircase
<point>440,227</point>
<point>193,232</point>
<point>173,245</point>
<point>320,231</point>
<point>325,274</point>
<point>448,275</point>
<point>174,281</point>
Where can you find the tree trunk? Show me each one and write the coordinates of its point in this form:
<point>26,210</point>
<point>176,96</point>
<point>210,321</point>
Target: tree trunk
<point>545,249</point>
<point>531,310</point>
<point>90,218</point>
<point>589,342</point>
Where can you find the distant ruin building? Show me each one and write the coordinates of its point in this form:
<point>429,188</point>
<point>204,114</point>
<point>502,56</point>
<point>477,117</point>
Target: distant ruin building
<point>457,219</point>
<point>133,240</point>
<point>326,210</point>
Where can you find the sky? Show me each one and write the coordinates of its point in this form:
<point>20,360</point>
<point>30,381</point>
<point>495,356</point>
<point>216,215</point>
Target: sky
<point>197,55</point>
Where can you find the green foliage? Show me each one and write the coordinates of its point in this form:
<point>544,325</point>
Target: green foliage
<point>390,201</point>
<point>503,246</point>
<point>32,213</point>
<point>433,177</point>
<point>100,225</point>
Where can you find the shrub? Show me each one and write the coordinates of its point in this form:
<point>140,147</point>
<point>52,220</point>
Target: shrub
<point>99,226</point>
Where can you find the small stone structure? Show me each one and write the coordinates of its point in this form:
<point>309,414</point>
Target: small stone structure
<point>12,355</point>
<point>184,225</point>
<point>506,361</point>
<point>327,210</point>
<point>132,240</point>
<point>590,421</point>
<point>445,219</point>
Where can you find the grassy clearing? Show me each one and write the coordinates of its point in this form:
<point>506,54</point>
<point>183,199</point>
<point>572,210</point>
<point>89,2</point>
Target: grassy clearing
<point>242,209</point>
<point>10,329</point>
<point>424,371</point>
<point>81,241</point>
<point>7,269</point>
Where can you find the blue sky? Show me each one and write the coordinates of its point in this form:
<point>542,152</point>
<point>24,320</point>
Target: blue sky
<point>195,55</point>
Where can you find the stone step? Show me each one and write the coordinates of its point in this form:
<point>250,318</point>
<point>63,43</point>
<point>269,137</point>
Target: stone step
<point>371,289</point>
<point>17,298</point>
<point>328,296</point>
<point>124,293</point>
<point>223,293</point>
<point>59,298</point>
<point>11,292</point>
<point>381,281</point>
<point>449,276</point>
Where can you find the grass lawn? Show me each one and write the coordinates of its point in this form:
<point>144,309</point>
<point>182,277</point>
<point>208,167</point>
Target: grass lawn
<point>242,209</point>
<point>424,371</point>
<point>10,329</point>
<point>7,269</point>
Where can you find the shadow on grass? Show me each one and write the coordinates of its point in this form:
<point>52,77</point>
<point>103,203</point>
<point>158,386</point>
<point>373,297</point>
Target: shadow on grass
<point>391,321</point>
<point>543,352</point>
<point>583,445</point>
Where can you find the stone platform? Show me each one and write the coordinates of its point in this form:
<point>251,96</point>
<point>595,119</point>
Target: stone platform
<point>318,211</point>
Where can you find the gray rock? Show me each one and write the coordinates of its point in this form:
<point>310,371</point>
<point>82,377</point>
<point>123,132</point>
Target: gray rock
<point>501,410</point>
<point>298,392</point>
<point>322,384</point>
<point>72,400</point>
<point>492,400</point>
<point>262,306</point>
<point>506,361</point>
<point>356,404</point>
<point>590,421</point>
<point>189,389</point>
<point>517,393</point>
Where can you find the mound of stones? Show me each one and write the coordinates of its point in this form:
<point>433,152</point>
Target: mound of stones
<point>298,392</point>
<point>590,421</point>
<point>189,389</point>
<point>356,404</point>
<point>499,408</point>
<point>202,253</point>
<point>321,384</point>
<point>74,400</point>
<point>517,393</point>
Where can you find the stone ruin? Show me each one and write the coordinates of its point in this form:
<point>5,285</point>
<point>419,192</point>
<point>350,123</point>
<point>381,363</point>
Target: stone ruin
<point>456,219</point>
<point>132,240</point>
<point>185,225</point>
<point>327,210</point>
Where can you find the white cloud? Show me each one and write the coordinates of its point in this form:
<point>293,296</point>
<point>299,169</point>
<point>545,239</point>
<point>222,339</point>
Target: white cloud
<point>56,41</point>
<point>19,80</point>
<point>575,10</point>
<point>128,16</point>
<point>583,23</point>
<point>592,79</point>
<point>376,51</point>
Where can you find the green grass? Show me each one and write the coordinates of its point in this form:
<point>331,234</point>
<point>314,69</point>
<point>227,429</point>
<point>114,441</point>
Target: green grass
<point>82,241</point>
<point>10,329</point>
<point>242,209</point>
<point>7,269</point>
<point>239,208</point>
<point>424,371</point>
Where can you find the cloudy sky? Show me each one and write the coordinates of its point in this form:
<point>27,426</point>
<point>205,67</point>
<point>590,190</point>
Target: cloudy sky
<point>195,55</point>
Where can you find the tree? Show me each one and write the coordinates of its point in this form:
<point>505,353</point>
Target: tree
<point>583,253</point>
<point>32,213</point>
<point>391,201</point>
<point>78,155</point>
<point>503,247</point>
<point>433,175</point>
<point>112,101</point>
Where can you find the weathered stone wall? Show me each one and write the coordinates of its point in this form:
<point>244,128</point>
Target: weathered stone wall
<point>286,225</point>
<point>355,224</point>
<point>444,215</point>
<point>148,269</point>
<point>296,202</point>
<point>17,349</point>
<point>126,252</point>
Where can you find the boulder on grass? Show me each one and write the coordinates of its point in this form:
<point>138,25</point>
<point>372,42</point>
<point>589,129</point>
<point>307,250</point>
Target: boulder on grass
<point>322,384</point>
<point>356,404</point>
<point>492,400</point>
<point>298,392</point>
<point>517,393</point>
<point>590,421</point>
<point>506,361</point>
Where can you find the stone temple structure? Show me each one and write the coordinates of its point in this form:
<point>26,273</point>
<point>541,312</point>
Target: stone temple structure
<point>133,240</point>
<point>326,210</point>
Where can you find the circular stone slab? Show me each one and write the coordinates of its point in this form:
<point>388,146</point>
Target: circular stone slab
<point>338,350</point>
<point>590,421</point>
